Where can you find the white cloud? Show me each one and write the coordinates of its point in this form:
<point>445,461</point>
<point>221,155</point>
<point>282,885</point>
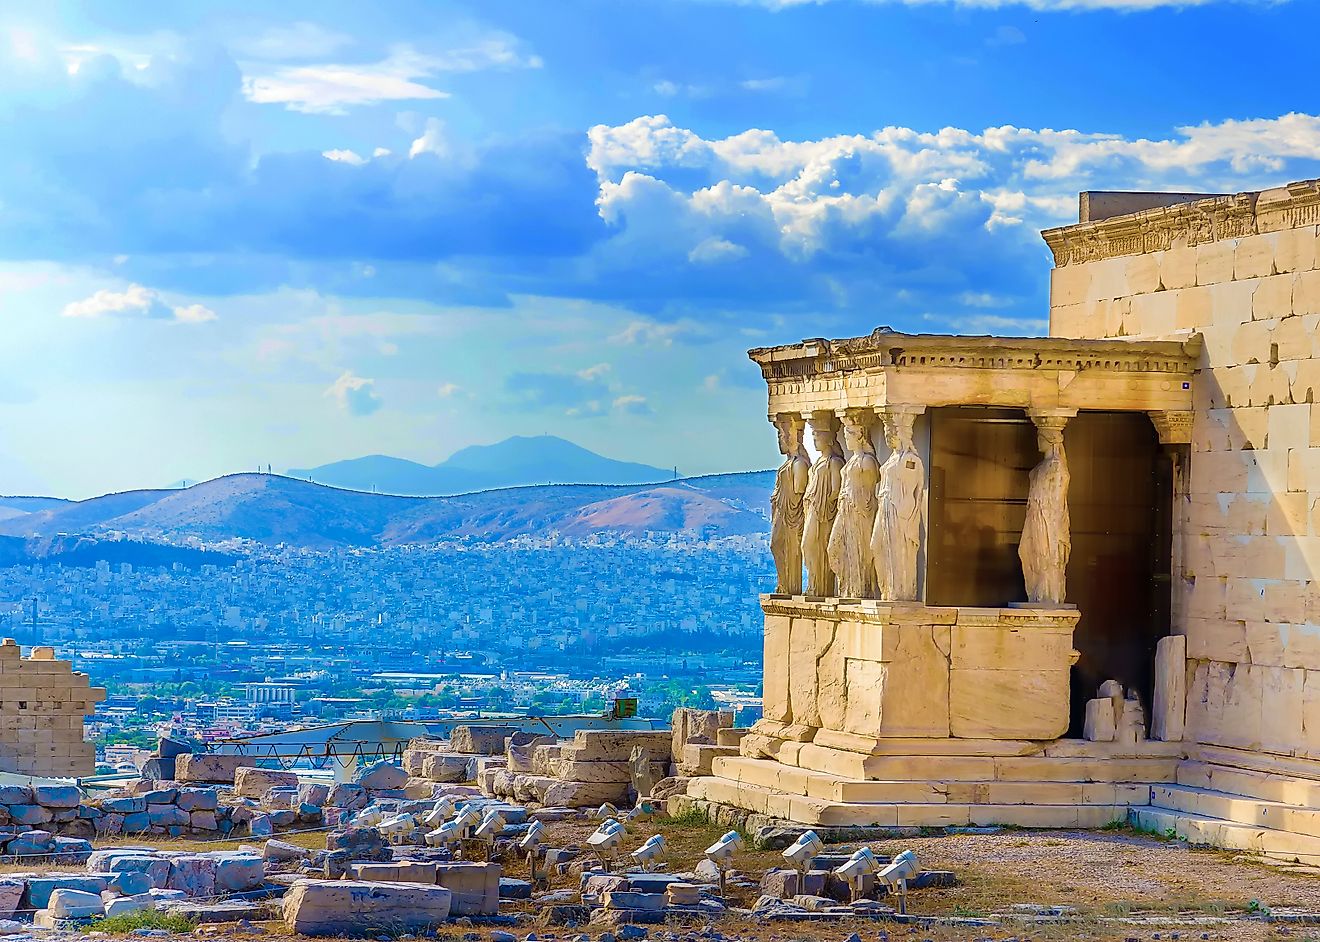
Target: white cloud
<point>798,199</point>
<point>632,405</point>
<point>333,88</point>
<point>345,157</point>
<point>594,372</point>
<point>709,251</point>
<point>354,394</point>
<point>447,390</point>
<point>432,140</point>
<point>194,314</point>
<point>135,301</point>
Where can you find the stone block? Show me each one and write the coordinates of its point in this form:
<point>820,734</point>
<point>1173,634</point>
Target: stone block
<point>198,799</point>
<point>123,905</point>
<point>1008,704</point>
<point>201,767</point>
<point>192,874</point>
<point>1214,262</point>
<point>15,795</point>
<point>75,904</point>
<point>1295,249</point>
<point>380,775</point>
<point>252,782</point>
<point>1099,723</point>
<point>1168,712</point>
<point>237,871</point>
<point>480,740</point>
<point>11,896</point>
<point>628,900</point>
<point>350,908</point>
<point>614,744</point>
<point>29,814</point>
<point>584,794</point>
<point>156,868</point>
<point>348,796</point>
<point>39,890</point>
<point>696,726</point>
<point>446,767</point>
<point>1254,256</point>
<point>474,887</point>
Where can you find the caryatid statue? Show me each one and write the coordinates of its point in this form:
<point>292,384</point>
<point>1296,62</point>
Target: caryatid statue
<point>1046,534</point>
<point>786,505</point>
<point>820,504</point>
<point>850,538</point>
<point>901,517</point>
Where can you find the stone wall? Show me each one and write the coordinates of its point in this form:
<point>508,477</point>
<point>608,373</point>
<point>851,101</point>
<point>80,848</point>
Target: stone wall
<point>43,705</point>
<point>1242,271</point>
<point>851,673</point>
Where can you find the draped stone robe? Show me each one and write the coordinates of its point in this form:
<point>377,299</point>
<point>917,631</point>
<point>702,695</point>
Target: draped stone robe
<point>786,518</point>
<point>1046,534</point>
<point>820,503</point>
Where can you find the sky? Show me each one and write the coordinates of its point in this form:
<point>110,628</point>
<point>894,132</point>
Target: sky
<point>243,234</point>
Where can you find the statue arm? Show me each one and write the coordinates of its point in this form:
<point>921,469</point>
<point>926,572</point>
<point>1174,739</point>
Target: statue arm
<point>800,469</point>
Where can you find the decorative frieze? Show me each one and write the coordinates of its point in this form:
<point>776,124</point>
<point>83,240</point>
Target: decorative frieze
<point>1187,224</point>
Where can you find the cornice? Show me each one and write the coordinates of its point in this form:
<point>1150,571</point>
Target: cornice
<point>884,349</point>
<point>1187,224</point>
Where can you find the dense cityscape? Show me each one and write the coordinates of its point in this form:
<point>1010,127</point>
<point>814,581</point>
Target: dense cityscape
<point>275,637</point>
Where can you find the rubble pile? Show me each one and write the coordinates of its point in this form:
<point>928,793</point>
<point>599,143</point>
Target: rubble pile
<point>464,757</point>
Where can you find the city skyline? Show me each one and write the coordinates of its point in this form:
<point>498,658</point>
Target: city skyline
<point>230,237</point>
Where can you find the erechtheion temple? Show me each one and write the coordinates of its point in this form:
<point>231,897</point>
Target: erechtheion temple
<point>1060,581</point>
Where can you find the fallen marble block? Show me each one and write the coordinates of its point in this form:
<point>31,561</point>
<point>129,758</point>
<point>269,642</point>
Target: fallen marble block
<point>350,908</point>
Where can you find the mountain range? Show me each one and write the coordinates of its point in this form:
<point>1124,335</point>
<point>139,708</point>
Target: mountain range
<point>274,509</point>
<point>540,459</point>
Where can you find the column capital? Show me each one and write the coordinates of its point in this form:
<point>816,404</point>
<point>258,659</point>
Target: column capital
<point>901,408</point>
<point>795,419</point>
<point>1173,428</point>
<point>1051,418</point>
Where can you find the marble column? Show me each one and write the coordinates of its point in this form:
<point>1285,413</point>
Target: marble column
<point>820,504</point>
<point>786,510</point>
<point>1047,534</point>
<point>850,538</point>
<point>900,521</point>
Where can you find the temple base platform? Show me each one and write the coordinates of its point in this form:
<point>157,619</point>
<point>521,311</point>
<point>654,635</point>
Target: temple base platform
<point>1221,797</point>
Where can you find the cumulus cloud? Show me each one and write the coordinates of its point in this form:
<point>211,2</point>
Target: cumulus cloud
<point>354,394</point>
<point>333,88</point>
<point>344,156</point>
<point>135,301</point>
<point>432,140</point>
<point>632,405</point>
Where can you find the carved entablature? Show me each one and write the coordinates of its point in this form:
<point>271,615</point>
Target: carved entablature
<point>887,368</point>
<point>1187,224</point>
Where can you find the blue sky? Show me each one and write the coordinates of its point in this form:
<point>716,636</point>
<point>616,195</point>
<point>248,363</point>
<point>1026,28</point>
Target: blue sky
<point>239,234</point>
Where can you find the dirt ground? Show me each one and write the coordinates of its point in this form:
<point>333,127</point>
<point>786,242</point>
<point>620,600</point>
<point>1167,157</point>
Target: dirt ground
<point>1120,885</point>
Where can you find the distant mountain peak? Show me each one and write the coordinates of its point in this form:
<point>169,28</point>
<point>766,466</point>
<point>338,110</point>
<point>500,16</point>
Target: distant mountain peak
<point>515,461</point>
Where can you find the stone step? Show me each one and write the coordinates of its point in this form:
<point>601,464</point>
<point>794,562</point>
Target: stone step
<point>1231,835</point>
<point>1236,808</point>
<point>821,813</point>
<point>778,777</point>
<point>1266,786</point>
<point>854,766</point>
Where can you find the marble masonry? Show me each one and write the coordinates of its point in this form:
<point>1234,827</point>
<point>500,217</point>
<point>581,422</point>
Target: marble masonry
<point>1060,581</point>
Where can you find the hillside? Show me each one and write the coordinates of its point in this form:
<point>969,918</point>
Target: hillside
<point>517,461</point>
<point>273,509</point>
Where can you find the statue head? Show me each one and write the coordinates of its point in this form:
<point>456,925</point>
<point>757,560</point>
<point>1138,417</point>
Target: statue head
<point>855,435</point>
<point>823,435</point>
<point>790,434</point>
<point>1050,439</point>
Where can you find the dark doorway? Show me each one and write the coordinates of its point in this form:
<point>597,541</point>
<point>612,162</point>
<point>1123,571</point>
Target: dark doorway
<point>979,462</point>
<point>1119,500</point>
